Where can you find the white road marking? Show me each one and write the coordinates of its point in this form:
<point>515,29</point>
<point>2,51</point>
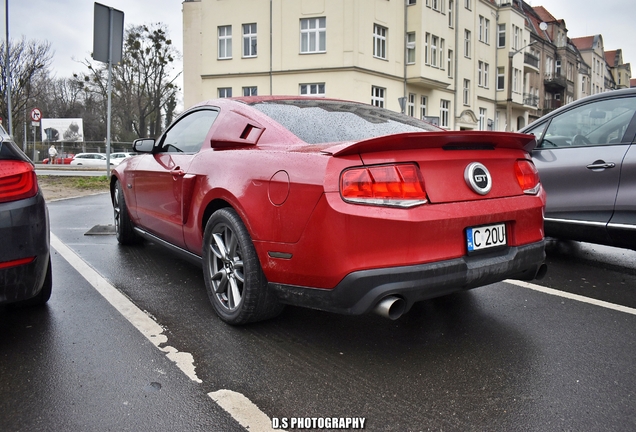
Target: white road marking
<point>245,412</point>
<point>571,296</point>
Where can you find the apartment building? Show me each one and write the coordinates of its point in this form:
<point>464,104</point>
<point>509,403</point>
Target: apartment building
<point>460,64</point>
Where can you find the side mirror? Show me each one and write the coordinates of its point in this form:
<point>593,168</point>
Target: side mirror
<point>144,145</point>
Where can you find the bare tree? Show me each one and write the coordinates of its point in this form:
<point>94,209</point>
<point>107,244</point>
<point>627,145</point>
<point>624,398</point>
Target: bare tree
<point>29,66</point>
<point>143,83</point>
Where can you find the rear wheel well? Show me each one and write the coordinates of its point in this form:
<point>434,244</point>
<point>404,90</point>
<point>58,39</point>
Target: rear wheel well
<point>212,206</point>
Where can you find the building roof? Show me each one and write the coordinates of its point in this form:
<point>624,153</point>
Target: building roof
<point>632,82</point>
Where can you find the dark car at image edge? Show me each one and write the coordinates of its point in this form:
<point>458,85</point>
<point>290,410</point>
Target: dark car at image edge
<point>25,264</point>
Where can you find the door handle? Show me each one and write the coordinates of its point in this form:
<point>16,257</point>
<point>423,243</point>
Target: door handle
<point>177,172</point>
<point>599,165</point>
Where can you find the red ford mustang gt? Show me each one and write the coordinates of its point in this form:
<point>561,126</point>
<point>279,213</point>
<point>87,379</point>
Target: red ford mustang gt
<point>332,205</point>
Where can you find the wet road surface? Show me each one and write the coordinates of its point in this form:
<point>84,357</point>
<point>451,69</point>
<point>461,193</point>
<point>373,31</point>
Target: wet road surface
<point>502,357</point>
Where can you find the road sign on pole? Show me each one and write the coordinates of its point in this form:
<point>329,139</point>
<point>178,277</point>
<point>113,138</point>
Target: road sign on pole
<point>36,115</point>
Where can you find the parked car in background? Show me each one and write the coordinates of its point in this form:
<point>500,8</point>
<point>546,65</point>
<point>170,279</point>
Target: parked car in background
<point>25,263</point>
<point>117,157</point>
<point>90,160</point>
<point>63,159</point>
<point>332,205</point>
<point>587,163</point>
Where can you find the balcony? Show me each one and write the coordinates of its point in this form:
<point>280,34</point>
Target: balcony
<point>554,82</point>
<point>531,100</point>
<point>531,61</point>
<point>550,105</point>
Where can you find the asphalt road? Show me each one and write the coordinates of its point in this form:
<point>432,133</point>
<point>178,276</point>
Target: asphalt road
<point>501,358</point>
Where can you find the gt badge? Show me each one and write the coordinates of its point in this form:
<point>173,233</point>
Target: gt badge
<point>478,178</point>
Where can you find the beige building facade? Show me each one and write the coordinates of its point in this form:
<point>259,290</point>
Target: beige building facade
<point>460,64</point>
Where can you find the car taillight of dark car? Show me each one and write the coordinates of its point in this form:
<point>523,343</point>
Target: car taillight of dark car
<point>17,180</point>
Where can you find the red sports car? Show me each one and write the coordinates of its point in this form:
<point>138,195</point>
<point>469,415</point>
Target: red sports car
<point>332,205</point>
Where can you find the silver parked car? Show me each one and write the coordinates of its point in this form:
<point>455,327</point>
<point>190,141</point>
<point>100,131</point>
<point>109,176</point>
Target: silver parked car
<point>586,157</point>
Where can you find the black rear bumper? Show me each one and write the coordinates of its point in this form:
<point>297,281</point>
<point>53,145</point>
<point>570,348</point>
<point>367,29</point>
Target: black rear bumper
<point>361,291</point>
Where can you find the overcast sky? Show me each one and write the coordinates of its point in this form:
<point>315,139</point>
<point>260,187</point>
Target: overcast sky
<point>68,24</point>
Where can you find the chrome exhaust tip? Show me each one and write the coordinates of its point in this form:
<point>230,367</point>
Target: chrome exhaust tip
<point>391,307</point>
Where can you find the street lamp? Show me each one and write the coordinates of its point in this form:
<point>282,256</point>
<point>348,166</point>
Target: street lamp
<point>511,54</point>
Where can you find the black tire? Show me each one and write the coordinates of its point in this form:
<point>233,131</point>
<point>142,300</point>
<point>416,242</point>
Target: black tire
<point>234,279</point>
<point>43,296</point>
<point>124,228</point>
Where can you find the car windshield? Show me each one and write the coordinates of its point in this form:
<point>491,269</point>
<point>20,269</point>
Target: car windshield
<point>317,121</point>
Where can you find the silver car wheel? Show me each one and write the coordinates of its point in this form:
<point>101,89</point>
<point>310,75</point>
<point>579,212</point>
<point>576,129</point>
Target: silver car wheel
<point>226,267</point>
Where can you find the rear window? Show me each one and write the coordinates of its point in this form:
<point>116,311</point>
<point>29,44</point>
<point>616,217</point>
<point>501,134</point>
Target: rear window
<point>323,121</point>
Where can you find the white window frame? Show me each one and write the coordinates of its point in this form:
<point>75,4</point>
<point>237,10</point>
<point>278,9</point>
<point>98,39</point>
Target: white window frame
<point>449,63</point>
<point>434,43</point>
<point>250,40</point>
<point>480,73</point>
<point>250,91</point>
<point>427,43</point>
<point>467,4</point>
<point>379,41</point>
<point>225,42</point>
<point>444,112</point>
<point>441,53</point>
<point>483,114</point>
<point>466,92</point>
<point>312,89</point>
<point>501,35</point>
<point>410,105</point>
<point>423,103</point>
<point>451,4</point>
<point>467,45</point>
<point>410,51</point>
<point>225,92</point>
<point>501,78</point>
<point>313,35</point>
<point>378,95</point>
<point>486,75</point>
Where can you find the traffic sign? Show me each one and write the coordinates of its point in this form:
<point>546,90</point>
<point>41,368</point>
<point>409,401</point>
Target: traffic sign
<point>36,114</point>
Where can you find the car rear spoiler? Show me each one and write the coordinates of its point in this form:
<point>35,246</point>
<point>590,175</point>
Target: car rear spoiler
<point>457,140</point>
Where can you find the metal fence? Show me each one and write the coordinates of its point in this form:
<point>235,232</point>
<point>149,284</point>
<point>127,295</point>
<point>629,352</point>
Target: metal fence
<point>39,151</point>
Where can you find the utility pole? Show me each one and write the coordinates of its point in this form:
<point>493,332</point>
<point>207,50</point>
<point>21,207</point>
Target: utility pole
<point>7,66</point>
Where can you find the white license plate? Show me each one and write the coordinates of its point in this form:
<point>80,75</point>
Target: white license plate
<point>485,237</point>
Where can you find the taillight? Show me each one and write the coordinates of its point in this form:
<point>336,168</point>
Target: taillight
<point>388,185</point>
<point>527,177</point>
<point>17,180</point>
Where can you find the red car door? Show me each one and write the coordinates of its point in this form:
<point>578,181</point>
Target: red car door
<point>160,177</point>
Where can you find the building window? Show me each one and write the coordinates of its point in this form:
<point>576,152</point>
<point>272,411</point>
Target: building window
<point>466,92</point>
<point>377,96</point>
<point>410,107</point>
<point>516,37</point>
<point>313,35</point>
<point>434,42</point>
<point>444,110</point>
<point>410,48</point>
<point>501,78</point>
<point>449,62</point>
<point>225,92</point>
<point>557,68</point>
<point>249,40</point>
<point>250,91</point>
<point>379,41</point>
<point>316,89</point>
<point>225,42</point>
<point>423,101</point>
<point>501,35</point>
<point>480,73</point>
<point>467,43</point>
<point>486,74</point>
<point>451,5</point>
<point>484,29</point>
<point>482,118</point>
<point>441,53</point>
<point>427,42</point>
<point>467,4</point>
<point>410,2</point>
<point>436,4</point>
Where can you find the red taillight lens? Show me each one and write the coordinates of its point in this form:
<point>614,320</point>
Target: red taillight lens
<point>390,185</point>
<point>17,180</point>
<point>527,177</point>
